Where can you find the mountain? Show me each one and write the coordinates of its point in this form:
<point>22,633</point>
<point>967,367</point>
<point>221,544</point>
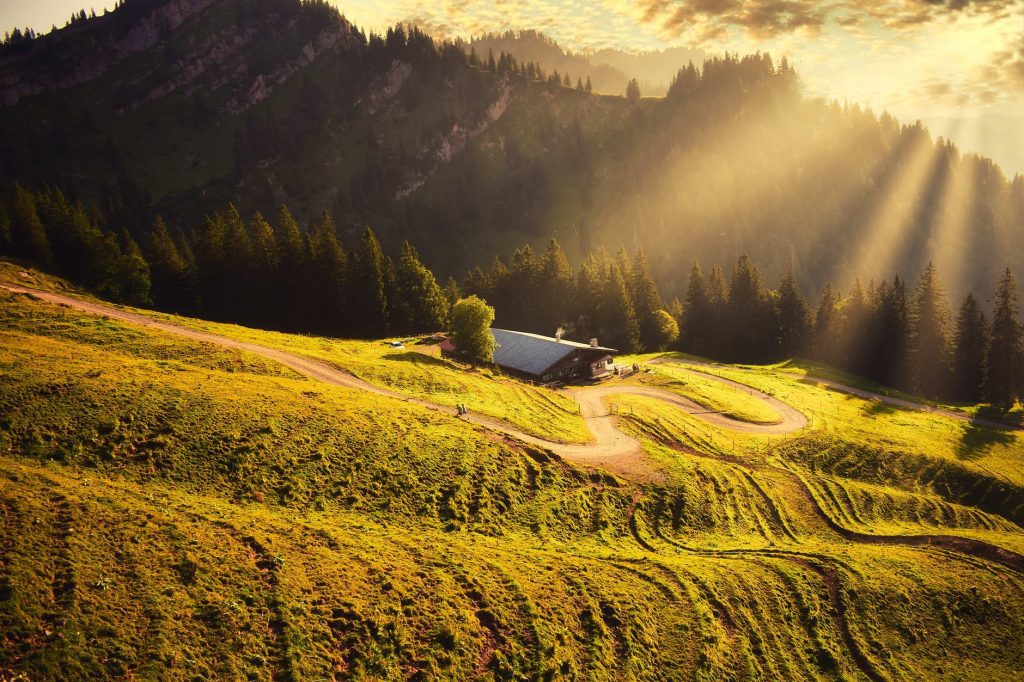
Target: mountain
<point>609,70</point>
<point>177,107</point>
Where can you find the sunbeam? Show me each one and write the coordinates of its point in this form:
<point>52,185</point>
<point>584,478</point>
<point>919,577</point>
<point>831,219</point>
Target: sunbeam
<point>885,230</point>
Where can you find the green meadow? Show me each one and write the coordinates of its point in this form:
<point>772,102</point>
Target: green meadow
<point>173,509</point>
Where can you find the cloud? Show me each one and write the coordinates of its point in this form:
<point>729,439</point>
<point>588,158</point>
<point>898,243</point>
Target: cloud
<point>764,19</point>
<point>998,80</point>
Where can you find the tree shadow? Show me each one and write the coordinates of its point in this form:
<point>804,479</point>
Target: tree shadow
<point>977,440</point>
<point>877,407</point>
<point>998,414</point>
<point>418,359</point>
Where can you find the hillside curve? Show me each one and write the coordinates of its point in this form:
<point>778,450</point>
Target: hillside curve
<point>612,448</point>
<point>894,401</point>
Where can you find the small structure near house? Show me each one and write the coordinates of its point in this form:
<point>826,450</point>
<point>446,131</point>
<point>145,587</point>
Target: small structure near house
<point>546,359</point>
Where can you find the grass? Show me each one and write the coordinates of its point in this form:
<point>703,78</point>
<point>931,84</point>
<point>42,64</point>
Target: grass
<point>173,510</point>
<point>416,371</point>
<point>710,394</point>
<point>858,425</point>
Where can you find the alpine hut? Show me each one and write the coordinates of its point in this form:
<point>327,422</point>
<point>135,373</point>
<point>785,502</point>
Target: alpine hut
<point>546,359</point>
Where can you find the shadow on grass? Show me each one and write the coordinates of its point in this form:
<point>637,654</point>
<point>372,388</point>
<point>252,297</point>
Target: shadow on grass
<point>976,441</point>
<point>998,414</point>
<point>877,407</point>
<point>419,359</point>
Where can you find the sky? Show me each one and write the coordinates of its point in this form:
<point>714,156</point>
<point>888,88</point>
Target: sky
<point>957,65</point>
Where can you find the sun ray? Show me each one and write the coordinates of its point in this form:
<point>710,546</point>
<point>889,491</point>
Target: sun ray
<point>886,229</point>
<point>950,245</point>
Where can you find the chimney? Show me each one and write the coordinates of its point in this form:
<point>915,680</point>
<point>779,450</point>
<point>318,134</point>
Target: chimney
<point>593,343</point>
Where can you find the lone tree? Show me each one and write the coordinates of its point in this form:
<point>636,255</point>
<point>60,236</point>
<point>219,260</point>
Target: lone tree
<point>471,328</point>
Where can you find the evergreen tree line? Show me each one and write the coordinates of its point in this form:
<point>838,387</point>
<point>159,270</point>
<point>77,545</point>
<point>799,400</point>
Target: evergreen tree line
<point>613,299</point>
<point>282,277</point>
<point>906,339</point>
<point>47,229</point>
<point>248,272</point>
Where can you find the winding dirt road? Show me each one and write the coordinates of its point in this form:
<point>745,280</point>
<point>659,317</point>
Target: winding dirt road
<point>612,449</point>
<point>850,390</point>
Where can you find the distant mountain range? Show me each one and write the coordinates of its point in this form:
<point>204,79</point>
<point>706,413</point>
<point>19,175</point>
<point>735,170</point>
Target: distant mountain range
<point>177,107</point>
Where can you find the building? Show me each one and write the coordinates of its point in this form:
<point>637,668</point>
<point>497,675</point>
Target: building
<point>546,358</point>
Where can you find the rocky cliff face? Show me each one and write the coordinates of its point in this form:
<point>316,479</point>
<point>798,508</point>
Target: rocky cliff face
<point>264,84</point>
<point>82,53</point>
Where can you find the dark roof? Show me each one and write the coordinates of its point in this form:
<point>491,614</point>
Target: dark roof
<point>533,353</point>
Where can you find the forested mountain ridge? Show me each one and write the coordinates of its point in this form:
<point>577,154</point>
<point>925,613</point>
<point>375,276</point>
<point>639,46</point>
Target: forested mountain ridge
<point>469,158</point>
<point>608,70</point>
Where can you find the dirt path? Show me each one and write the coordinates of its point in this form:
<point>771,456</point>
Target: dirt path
<point>858,392</point>
<point>612,449</point>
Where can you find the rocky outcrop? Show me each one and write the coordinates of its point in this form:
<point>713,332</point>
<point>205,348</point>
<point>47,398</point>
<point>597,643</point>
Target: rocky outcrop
<point>455,140</point>
<point>265,83</point>
<point>381,97</point>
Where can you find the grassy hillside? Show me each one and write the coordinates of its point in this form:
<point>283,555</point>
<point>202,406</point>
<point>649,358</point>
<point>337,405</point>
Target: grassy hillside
<point>173,510</point>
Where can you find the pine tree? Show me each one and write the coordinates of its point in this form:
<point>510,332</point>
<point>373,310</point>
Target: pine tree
<point>499,286</point>
<point>1004,374</point>
<point>264,270</point>
<point>264,247</point>
<point>749,335</point>
<point>238,260</point>
<point>794,318</point>
<point>170,286</point>
<point>476,284</point>
<point>888,334</point>
<point>928,346</point>
<point>452,293</point>
<point>369,288</point>
<point>28,236</point>
<point>68,240</point>
<point>132,275</point>
<point>588,297</point>
<point>331,290</point>
<point>422,306</point>
<point>633,91</point>
<point>620,323</point>
<point>211,268</point>
<point>647,305</point>
<point>555,289</point>
<point>856,332</point>
<point>520,293</point>
<point>969,351</point>
<point>827,327</point>
<point>293,295</point>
